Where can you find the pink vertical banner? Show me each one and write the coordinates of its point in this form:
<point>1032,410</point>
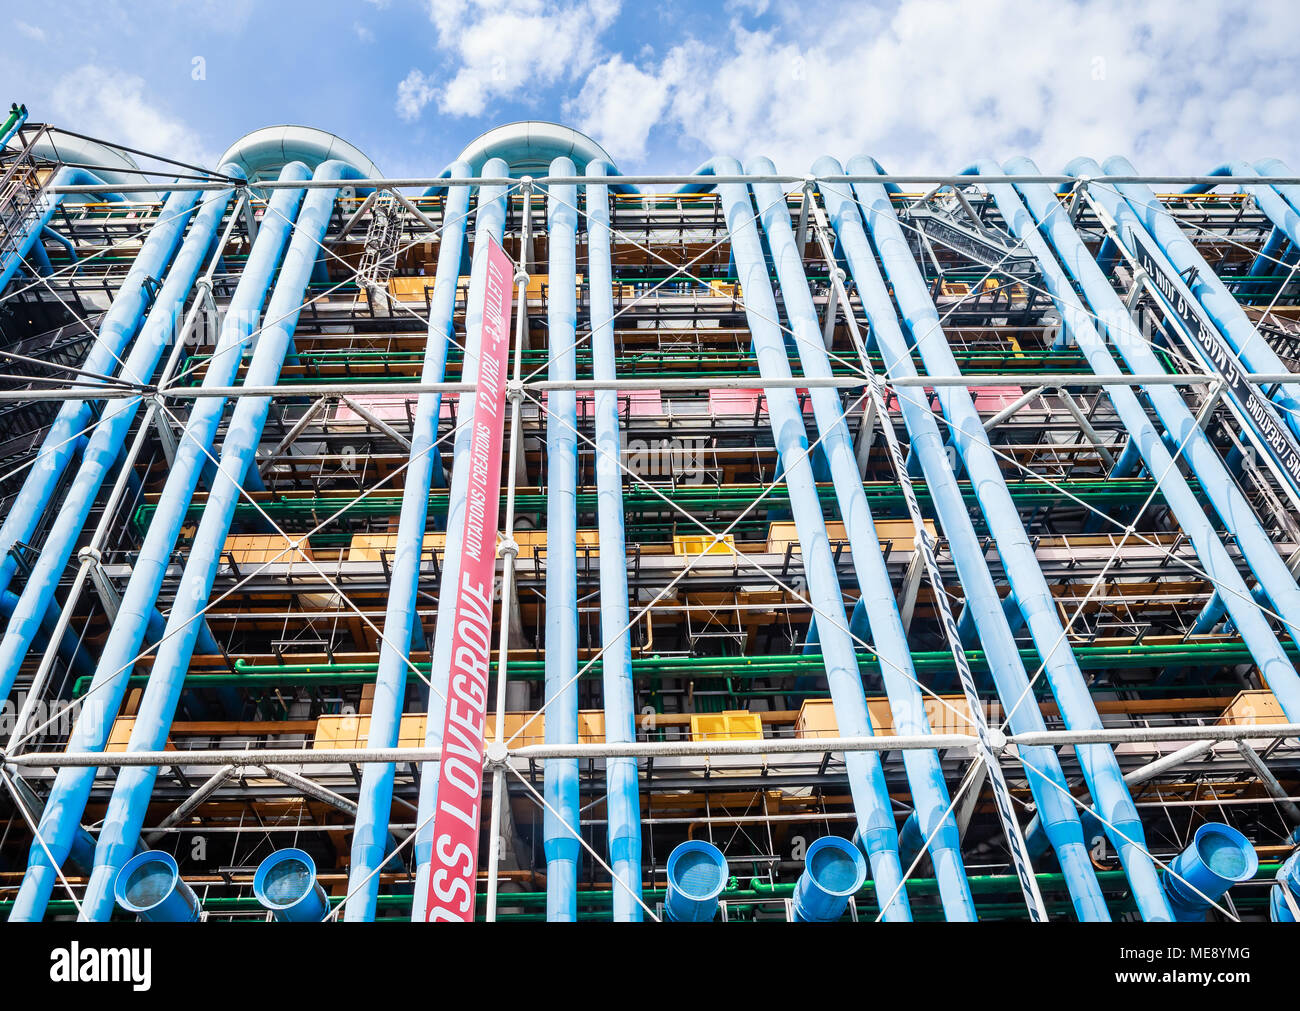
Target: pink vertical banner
<point>454,866</point>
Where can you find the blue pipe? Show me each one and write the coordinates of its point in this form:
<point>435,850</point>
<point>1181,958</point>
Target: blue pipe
<point>1288,879</point>
<point>858,625</point>
<point>924,769</point>
<point>560,782</point>
<point>489,223</point>
<point>285,883</point>
<point>1213,294</point>
<point>833,871</point>
<point>71,650</point>
<point>1218,858</point>
<point>106,440</point>
<point>63,241</point>
<point>137,614</point>
<point>130,797</point>
<point>115,332</point>
<point>11,258</point>
<point>1224,494</point>
<point>375,801</point>
<point>1100,767</point>
<point>697,874</point>
<point>1046,778</point>
<point>623,801</point>
<point>150,886</point>
<point>871,800</point>
<point>1270,256</point>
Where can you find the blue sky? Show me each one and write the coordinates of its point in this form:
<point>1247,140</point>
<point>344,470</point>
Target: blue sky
<point>925,85</point>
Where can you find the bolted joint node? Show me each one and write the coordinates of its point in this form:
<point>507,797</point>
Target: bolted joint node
<point>496,754</point>
<point>522,277</point>
<point>997,740</point>
<point>514,389</point>
<point>91,554</point>
<point>508,548</point>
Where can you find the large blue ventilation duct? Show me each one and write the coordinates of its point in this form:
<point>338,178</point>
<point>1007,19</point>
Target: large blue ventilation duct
<point>126,809</point>
<point>1219,303</point>
<point>866,777</point>
<point>106,439</point>
<point>833,872</point>
<point>1045,776</point>
<point>72,786</point>
<point>697,875</point>
<point>907,705</point>
<point>1284,896</point>
<point>560,821</point>
<point>116,329</point>
<point>1045,219</point>
<point>150,886</point>
<point>623,800</point>
<point>1019,561</point>
<point>285,883</point>
<point>1218,858</point>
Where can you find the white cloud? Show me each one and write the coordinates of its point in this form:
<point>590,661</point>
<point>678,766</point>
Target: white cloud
<point>501,49</point>
<point>938,83</point>
<point>33,32</point>
<point>413,94</point>
<point>363,33</point>
<point>620,104</point>
<point>109,103</point>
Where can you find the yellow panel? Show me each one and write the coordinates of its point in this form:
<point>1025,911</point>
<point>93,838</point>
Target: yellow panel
<point>1251,707</point>
<point>695,544</point>
<point>255,549</point>
<point>732,725</point>
<point>784,534</point>
<point>334,732</point>
<point>367,547</point>
<point>947,714</point>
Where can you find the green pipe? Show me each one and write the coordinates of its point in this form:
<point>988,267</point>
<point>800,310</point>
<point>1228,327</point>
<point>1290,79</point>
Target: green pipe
<point>938,661</point>
<point>885,498</point>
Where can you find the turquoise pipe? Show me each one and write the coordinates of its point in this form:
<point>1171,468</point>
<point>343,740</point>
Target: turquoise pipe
<point>489,224</point>
<point>1214,481</point>
<point>907,705</point>
<point>137,615</point>
<point>130,798</point>
<point>1219,303</point>
<point>1046,778</point>
<point>871,800</point>
<point>116,330</point>
<point>107,438</point>
<point>623,801</point>
<point>375,800</point>
<point>1019,561</point>
<point>561,844</point>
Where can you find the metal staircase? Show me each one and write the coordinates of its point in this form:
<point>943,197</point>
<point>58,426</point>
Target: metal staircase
<point>379,253</point>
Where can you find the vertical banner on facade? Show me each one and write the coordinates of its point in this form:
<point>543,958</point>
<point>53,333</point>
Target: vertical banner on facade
<point>454,866</point>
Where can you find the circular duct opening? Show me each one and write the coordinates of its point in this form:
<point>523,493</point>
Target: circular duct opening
<point>1226,852</point>
<point>698,875</point>
<point>149,883</point>
<point>835,866</point>
<point>287,882</point>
